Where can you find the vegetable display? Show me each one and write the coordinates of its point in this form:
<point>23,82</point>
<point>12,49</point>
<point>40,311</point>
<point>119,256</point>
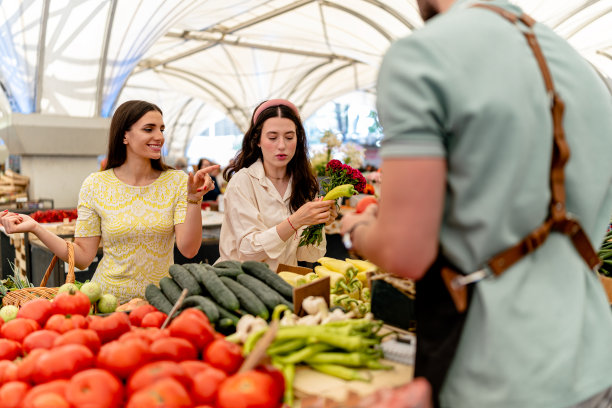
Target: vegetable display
<point>224,291</point>
<point>329,342</point>
<point>52,359</point>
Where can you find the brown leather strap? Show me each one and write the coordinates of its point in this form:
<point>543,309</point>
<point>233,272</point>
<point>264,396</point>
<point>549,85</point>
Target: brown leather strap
<point>558,219</point>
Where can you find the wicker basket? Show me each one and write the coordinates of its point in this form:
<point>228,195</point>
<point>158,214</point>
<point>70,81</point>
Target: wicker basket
<point>21,296</point>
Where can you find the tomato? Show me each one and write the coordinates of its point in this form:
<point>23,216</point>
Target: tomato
<point>249,389</point>
<point>153,319</point>
<point>275,373</point>
<point>27,365</point>
<point>86,337</point>
<point>39,339</point>
<point>193,328</point>
<point>62,362</point>
<point>9,349</point>
<point>174,349</point>
<point>365,203</point>
<point>139,312</point>
<point>36,309</point>
<point>197,313</point>
<point>17,329</point>
<point>52,387</point>
<point>193,367</point>
<point>122,358</point>
<point>71,303</point>
<point>152,372</point>
<point>206,385</point>
<point>94,388</point>
<point>49,400</point>
<point>110,327</point>
<point>165,393</point>
<point>61,323</point>
<point>148,334</point>
<point>8,371</point>
<point>224,355</point>
<point>12,393</point>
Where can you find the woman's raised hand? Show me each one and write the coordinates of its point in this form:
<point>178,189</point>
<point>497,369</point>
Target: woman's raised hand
<point>200,183</point>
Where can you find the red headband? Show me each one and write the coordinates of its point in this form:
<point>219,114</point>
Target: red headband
<point>274,102</point>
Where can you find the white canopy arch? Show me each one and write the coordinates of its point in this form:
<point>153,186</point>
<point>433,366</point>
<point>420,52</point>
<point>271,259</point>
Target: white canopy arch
<point>83,57</point>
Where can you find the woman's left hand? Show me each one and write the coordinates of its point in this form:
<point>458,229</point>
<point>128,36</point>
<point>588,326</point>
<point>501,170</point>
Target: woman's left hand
<point>333,214</point>
<point>200,183</point>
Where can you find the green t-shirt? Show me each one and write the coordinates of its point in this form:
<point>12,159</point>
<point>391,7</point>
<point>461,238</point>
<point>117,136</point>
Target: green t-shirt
<point>466,87</point>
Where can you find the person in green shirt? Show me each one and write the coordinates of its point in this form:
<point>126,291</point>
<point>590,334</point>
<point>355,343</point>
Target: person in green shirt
<point>466,174</point>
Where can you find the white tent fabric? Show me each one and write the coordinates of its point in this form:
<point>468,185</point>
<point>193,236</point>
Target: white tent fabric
<point>83,57</point>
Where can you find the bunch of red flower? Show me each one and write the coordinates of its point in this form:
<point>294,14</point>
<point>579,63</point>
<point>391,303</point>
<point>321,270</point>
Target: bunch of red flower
<point>340,174</point>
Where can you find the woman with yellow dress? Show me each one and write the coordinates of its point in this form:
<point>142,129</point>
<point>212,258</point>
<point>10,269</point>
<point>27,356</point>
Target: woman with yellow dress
<point>137,207</point>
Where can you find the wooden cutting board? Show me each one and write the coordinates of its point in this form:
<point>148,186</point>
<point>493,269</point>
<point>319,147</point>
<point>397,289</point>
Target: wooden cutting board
<point>309,382</point>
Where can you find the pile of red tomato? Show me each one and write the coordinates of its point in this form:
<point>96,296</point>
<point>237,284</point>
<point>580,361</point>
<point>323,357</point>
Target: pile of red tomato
<point>56,355</point>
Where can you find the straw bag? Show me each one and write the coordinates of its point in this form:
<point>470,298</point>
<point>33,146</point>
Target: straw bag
<point>20,296</point>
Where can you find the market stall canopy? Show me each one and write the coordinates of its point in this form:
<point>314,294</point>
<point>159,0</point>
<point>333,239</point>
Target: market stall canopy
<point>82,58</point>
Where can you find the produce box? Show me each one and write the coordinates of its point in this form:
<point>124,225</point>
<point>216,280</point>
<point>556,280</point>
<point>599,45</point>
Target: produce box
<point>393,301</point>
<point>318,287</point>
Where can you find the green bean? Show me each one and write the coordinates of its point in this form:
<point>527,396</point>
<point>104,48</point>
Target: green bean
<point>339,371</point>
<point>284,347</point>
<point>303,354</point>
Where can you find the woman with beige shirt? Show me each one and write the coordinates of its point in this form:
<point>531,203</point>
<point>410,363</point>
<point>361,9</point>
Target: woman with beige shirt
<point>271,193</point>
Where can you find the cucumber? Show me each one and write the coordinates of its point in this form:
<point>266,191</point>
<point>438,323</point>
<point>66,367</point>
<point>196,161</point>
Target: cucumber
<point>268,296</point>
<point>204,304</point>
<point>192,269</point>
<point>229,272</point>
<point>261,271</point>
<point>222,295</point>
<point>248,300</point>
<point>185,279</point>
<point>226,314</point>
<point>155,297</point>
<point>170,289</point>
<point>228,264</point>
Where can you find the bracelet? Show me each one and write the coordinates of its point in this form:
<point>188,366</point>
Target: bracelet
<point>190,201</point>
<point>292,226</point>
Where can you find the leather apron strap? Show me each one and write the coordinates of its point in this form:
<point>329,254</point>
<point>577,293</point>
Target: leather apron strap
<point>558,219</point>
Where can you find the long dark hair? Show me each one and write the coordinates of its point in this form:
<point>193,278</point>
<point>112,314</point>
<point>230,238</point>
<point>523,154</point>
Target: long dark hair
<point>304,186</point>
<point>124,117</point>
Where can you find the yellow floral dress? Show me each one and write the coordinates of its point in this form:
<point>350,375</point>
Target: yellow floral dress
<point>136,224</point>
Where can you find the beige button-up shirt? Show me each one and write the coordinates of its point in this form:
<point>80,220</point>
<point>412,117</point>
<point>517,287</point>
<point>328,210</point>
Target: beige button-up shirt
<point>253,209</point>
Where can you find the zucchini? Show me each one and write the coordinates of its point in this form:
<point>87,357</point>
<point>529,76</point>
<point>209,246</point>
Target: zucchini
<point>185,279</point>
<point>222,295</point>
<point>268,296</point>
<point>204,304</point>
<point>155,297</point>
<point>248,300</point>
<point>228,264</point>
<point>229,272</point>
<point>170,289</point>
<point>261,271</point>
